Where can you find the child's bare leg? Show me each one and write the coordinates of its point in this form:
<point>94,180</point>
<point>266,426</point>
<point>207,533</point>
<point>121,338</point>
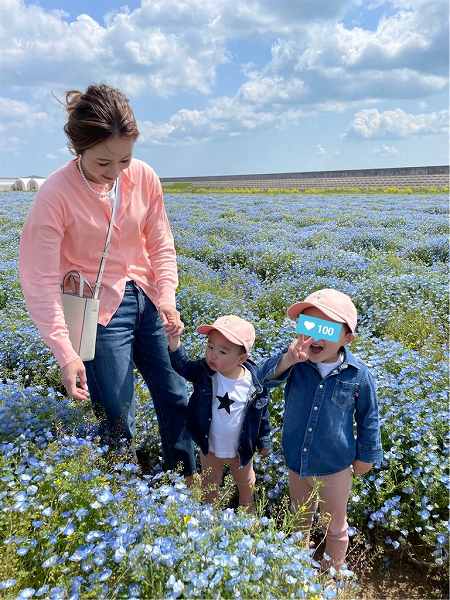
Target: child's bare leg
<point>245,479</point>
<point>212,472</point>
<point>334,494</point>
<point>303,502</point>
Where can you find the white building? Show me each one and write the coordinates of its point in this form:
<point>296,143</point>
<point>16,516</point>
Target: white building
<point>6,183</point>
<point>20,184</point>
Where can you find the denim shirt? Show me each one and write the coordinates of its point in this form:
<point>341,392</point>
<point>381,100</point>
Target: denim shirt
<point>328,422</point>
<point>255,431</point>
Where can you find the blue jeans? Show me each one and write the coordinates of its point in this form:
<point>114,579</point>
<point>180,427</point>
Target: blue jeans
<point>135,336</point>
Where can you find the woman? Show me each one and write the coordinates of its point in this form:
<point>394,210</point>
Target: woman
<point>66,230</point>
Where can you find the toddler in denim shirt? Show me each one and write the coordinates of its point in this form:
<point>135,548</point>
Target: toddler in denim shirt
<point>331,424</point>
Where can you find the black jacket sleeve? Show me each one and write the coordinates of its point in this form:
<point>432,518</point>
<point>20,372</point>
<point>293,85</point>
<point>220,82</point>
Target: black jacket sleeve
<point>191,370</point>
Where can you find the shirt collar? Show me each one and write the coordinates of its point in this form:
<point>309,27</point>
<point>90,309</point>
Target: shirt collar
<point>350,359</point>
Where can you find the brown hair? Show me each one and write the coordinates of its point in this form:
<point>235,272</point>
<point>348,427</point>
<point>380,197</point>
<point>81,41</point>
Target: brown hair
<point>97,114</point>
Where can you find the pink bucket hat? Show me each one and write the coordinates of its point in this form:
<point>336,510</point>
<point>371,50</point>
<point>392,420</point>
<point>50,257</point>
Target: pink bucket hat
<point>336,305</point>
<point>234,328</point>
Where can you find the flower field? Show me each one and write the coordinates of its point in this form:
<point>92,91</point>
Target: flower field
<point>74,525</point>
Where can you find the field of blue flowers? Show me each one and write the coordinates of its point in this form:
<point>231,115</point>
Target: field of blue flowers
<point>74,525</point>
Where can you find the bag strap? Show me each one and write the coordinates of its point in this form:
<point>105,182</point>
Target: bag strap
<point>98,282</point>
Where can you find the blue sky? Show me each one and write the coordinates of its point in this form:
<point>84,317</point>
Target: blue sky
<point>233,86</point>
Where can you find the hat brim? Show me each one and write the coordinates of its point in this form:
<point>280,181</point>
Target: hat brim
<point>205,329</point>
<point>296,309</point>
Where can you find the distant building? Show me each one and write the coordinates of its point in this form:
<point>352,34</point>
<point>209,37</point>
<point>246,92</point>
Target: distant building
<point>6,183</point>
<point>21,184</point>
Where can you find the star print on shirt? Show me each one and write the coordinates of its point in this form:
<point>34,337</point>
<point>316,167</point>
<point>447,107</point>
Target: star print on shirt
<point>225,402</point>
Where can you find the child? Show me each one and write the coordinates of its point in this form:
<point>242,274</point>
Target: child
<point>327,389</point>
<point>228,414</point>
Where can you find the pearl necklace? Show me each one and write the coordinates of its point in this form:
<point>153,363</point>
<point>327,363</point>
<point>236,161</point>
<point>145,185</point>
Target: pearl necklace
<point>101,194</point>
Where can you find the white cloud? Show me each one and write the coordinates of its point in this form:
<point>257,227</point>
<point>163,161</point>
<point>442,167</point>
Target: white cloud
<point>327,68</point>
<point>131,50</point>
<point>16,119</point>
<point>241,18</point>
<point>223,117</point>
<point>372,124</point>
<point>17,115</point>
<point>409,39</point>
<point>385,150</point>
<point>272,90</point>
<point>169,46</point>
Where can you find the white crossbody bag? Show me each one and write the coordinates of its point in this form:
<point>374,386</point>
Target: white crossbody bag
<point>81,304</point>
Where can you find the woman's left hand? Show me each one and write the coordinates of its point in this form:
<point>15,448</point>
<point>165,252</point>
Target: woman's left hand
<point>171,320</point>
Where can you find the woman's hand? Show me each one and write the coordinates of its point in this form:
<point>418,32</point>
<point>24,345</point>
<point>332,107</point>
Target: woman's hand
<point>171,320</point>
<point>360,467</point>
<point>72,374</point>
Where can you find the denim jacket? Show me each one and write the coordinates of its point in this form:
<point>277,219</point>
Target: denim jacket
<point>322,415</point>
<point>255,432</point>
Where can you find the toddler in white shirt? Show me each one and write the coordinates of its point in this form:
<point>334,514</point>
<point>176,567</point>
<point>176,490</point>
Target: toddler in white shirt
<point>228,411</point>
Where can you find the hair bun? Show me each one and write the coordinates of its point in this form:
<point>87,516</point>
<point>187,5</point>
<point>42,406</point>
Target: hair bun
<point>97,114</point>
<point>73,97</point>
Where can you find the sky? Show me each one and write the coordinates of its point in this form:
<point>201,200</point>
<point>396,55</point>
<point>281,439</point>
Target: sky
<point>223,87</point>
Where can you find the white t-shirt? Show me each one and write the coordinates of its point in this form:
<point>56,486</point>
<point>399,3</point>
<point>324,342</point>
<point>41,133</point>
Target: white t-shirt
<point>325,367</point>
<point>228,411</point>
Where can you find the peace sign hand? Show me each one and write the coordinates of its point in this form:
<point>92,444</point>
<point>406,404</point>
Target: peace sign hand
<point>298,351</point>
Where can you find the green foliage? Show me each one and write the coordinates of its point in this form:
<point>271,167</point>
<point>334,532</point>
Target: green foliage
<point>191,188</point>
<point>414,329</point>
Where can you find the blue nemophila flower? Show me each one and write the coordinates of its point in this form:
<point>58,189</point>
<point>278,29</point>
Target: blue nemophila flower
<point>119,554</point>
<point>104,575</point>
<point>176,586</point>
<point>7,583</point>
<point>81,553</point>
<point>57,593</point>
<point>69,529</point>
<point>42,591</point>
<point>26,593</point>
<point>50,562</point>
<point>37,523</point>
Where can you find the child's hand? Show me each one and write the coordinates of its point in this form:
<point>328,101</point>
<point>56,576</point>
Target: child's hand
<point>360,467</point>
<point>298,351</point>
<point>264,452</point>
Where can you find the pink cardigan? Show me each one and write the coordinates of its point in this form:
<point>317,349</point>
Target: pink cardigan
<point>66,229</point>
